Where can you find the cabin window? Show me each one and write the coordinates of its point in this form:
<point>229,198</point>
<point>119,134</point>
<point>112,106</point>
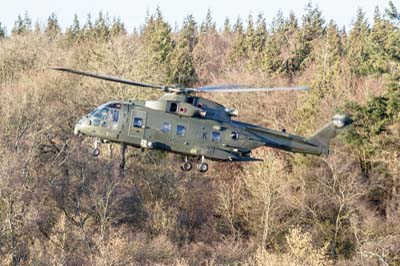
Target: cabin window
<point>235,135</point>
<point>138,122</point>
<point>173,107</point>
<point>180,130</point>
<point>166,127</point>
<point>215,136</point>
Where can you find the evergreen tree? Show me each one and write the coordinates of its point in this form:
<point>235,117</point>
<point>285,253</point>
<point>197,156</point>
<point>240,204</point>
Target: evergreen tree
<point>291,24</point>
<point>313,23</point>
<point>250,42</point>
<point>238,26</point>
<point>208,25</point>
<point>357,46</point>
<point>53,28</point>
<point>255,41</point>
<point>2,31</point>
<point>280,55</point>
<point>117,28</point>
<point>369,134</point>
<point>101,27</point>
<point>392,12</point>
<point>188,34</point>
<point>333,45</point>
<point>378,46</point>
<point>227,29</point>
<point>261,33</point>
<point>37,28</point>
<point>271,58</point>
<point>291,33</point>
<point>158,42</point>
<point>278,23</point>
<point>181,69</point>
<point>74,31</point>
<point>22,25</point>
<point>328,59</point>
<point>87,30</point>
<point>239,41</point>
<point>312,29</point>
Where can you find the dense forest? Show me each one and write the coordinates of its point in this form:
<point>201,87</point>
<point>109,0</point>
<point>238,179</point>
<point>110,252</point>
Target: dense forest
<point>61,206</point>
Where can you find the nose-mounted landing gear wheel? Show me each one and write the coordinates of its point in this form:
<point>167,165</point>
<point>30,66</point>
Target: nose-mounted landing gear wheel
<point>96,150</point>
<point>202,166</point>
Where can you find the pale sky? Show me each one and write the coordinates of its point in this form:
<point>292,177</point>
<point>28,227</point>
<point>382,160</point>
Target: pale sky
<point>133,12</point>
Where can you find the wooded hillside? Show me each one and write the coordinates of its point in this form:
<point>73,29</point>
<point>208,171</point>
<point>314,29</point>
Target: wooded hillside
<point>61,206</point>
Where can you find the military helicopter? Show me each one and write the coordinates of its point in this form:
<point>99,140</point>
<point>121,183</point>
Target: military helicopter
<point>183,123</point>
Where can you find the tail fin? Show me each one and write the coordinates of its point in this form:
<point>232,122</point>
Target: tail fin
<point>323,136</point>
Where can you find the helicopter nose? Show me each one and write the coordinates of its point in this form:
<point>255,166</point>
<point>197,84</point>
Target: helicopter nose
<point>83,124</point>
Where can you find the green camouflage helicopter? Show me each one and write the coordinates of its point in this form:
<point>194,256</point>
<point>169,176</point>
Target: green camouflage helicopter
<point>183,123</point>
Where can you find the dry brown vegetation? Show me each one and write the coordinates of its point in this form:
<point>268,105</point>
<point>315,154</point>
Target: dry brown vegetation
<point>60,206</point>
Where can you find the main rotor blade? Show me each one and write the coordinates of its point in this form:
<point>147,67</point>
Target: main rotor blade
<point>110,78</point>
<point>241,88</point>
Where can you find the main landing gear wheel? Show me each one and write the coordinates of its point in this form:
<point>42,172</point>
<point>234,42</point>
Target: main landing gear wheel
<point>186,166</point>
<point>202,167</point>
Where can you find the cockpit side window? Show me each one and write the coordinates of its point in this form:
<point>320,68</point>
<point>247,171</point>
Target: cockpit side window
<point>101,113</point>
<point>114,105</point>
<point>107,113</point>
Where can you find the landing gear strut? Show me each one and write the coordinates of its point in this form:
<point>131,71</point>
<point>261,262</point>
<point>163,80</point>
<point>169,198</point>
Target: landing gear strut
<point>186,165</point>
<point>123,150</point>
<point>202,166</point>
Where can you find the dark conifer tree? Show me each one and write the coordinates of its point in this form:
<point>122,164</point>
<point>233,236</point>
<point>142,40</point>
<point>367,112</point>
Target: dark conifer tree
<point>22,25</point>
<point>357,45</point>
<point>2,31</point>
<point>74,32</point>
<point>182,70</point>
<point>392,12</point>
<point>52,28</point>
<point>208,24</point>
<point>239,41</point>
<point>101,27</point>
<point>117,27</point>
<point>227,29</point>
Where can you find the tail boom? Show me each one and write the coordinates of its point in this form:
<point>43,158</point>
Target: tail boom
<point>317,144</point>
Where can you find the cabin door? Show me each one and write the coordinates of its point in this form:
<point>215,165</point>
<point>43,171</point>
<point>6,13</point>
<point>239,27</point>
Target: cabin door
<point>138,124</point>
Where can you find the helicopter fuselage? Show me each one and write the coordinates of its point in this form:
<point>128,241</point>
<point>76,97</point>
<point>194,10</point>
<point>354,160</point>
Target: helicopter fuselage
<point>190,126</point>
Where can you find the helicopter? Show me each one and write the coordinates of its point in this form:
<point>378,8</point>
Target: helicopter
<point>197,128</point>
